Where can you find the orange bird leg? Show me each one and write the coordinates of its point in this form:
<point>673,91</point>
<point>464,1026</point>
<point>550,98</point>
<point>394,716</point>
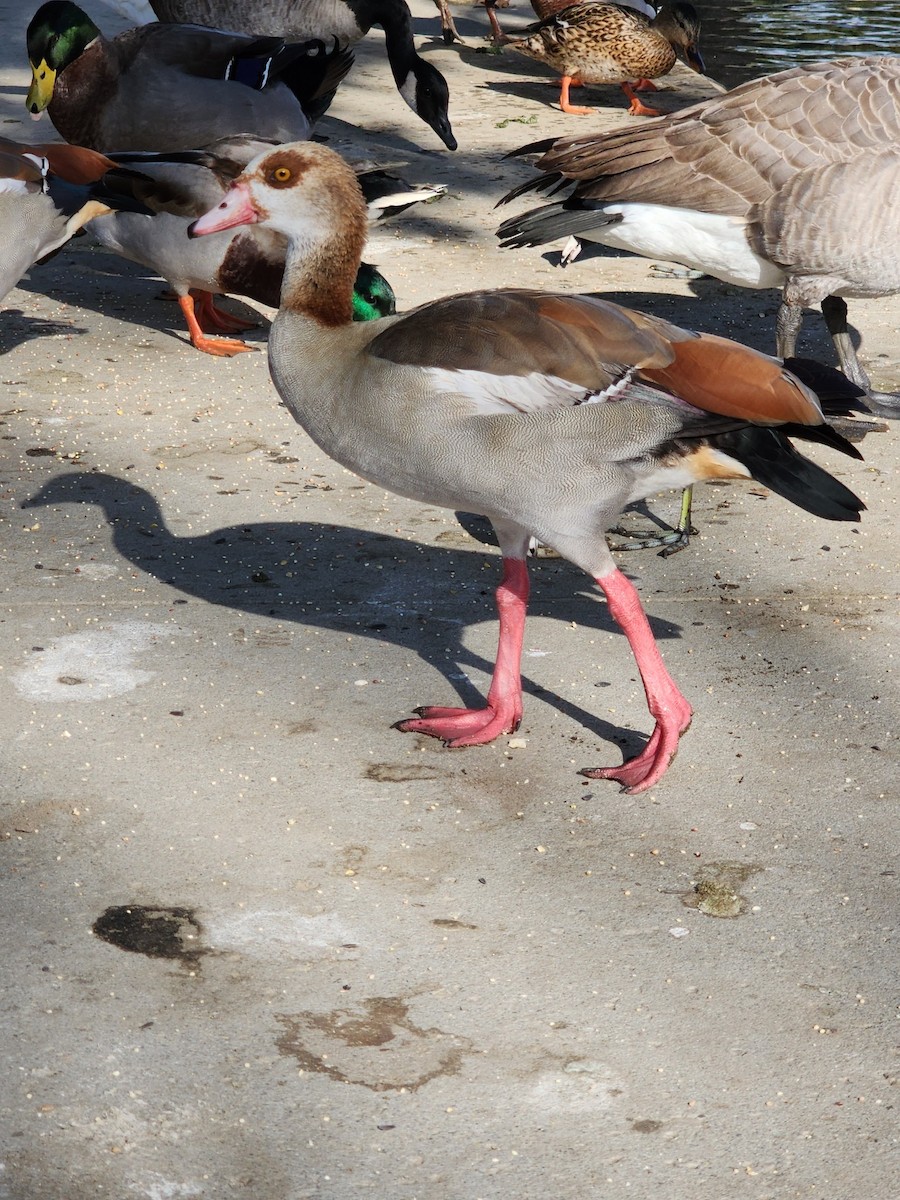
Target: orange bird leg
<point>503,712</point>
<point>637,108</point>
<point>666,703</point>
<point>212,318</point>
<point>645,85</point>
<point>223,347</point>
<point>565,83</point>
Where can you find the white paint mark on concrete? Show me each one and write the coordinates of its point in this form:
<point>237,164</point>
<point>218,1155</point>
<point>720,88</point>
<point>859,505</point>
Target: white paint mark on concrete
<point>278,934</point>
<point>95,664</point>
<point>581,1087</point>
<point>157,1187</point>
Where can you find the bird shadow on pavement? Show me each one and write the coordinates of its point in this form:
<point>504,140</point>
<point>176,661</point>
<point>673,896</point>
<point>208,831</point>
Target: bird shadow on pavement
<point>419,597</point>
<point>18,327</point>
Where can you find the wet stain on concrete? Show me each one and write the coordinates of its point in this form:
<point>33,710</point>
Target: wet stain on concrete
<point>450,923</point>
<point>716,893</point>
<point>157,932</point>
<point>646,1126</point>
<point>400,772</point>
<point>375,1045</point>
<point>294,728</point>
<point>351,859</point>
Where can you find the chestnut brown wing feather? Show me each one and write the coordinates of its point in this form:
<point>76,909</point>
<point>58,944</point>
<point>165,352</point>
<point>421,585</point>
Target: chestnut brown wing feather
<point>75,164</point>
<point>731,380</point>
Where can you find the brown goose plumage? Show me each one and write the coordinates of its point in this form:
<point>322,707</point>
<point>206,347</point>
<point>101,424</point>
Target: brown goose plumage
<point>791,181</point>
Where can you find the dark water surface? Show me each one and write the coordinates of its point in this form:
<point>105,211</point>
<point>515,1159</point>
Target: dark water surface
<point>741,39</point>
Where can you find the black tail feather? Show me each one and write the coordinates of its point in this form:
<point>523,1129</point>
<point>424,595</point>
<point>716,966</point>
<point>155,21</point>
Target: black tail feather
<point>553,221</point>
<point>838,395</point>
<point>771,459</point>
<point>314,76</point>
<point>540,183</point>
<point>119,188</point>
<point>540,147</point>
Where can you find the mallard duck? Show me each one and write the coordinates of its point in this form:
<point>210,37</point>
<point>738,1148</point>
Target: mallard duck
<point>608,43</point>
<point>420,84</point>
<point>241,262</point>
<point>48,192</point>
<point>549,8</point>
<point>187,84</point>
<point>788,181</point>
<point>544,412</point>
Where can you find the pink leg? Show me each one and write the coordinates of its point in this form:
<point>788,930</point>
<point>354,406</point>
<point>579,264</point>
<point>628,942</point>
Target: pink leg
<point>503,712</point>
<point>666,703</point>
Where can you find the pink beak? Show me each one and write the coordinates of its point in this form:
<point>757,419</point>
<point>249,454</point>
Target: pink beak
<point>235,209</point>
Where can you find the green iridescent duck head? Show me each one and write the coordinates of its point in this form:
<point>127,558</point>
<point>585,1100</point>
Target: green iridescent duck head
<point>373,296</point>
<point>58,33</point>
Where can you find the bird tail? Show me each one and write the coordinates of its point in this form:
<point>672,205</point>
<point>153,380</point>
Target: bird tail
<point>313,70</point>
<point>119,189</point>
<point>551,221</point>
<point>773,461</point>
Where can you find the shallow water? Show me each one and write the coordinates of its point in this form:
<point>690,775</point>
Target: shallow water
<point>741,39</point>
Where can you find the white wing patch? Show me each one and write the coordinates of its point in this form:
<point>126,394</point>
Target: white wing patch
<point>17,187</point>
<point>521,393</point>
<point>20,186</point>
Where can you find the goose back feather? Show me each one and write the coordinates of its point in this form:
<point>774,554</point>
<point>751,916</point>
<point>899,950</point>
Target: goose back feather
<point>791,180</point>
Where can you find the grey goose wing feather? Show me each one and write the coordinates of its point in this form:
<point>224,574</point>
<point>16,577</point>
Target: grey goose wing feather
<point>734,152</point>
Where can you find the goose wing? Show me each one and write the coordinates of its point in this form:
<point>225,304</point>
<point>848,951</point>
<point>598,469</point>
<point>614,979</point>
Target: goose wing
<point>521,350</point>
<point>728,154</point>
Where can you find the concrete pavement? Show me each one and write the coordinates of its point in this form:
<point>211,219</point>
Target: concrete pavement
<point>259,944</point>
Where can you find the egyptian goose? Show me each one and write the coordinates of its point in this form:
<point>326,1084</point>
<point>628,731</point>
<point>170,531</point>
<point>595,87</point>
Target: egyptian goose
<point>242,262</point>
<point>608,43</point>
<point>182,84</point>
<point>546,413</point>
<point>48,192</point>
<point>420,84</point>
<point>788,181</point>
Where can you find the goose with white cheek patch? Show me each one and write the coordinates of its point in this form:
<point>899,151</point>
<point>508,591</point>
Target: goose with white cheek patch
<point>546,413</point>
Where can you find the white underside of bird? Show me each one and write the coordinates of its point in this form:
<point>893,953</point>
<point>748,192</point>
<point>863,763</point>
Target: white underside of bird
<point>708,242</point>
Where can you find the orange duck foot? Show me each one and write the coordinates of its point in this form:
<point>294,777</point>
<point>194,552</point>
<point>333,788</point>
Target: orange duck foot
<point>212,318</point>
<point>221,347</point>
<point>637,108</point>
<point>567,82</point>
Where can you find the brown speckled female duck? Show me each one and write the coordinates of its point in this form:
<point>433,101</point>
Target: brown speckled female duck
<point>609,43</point>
